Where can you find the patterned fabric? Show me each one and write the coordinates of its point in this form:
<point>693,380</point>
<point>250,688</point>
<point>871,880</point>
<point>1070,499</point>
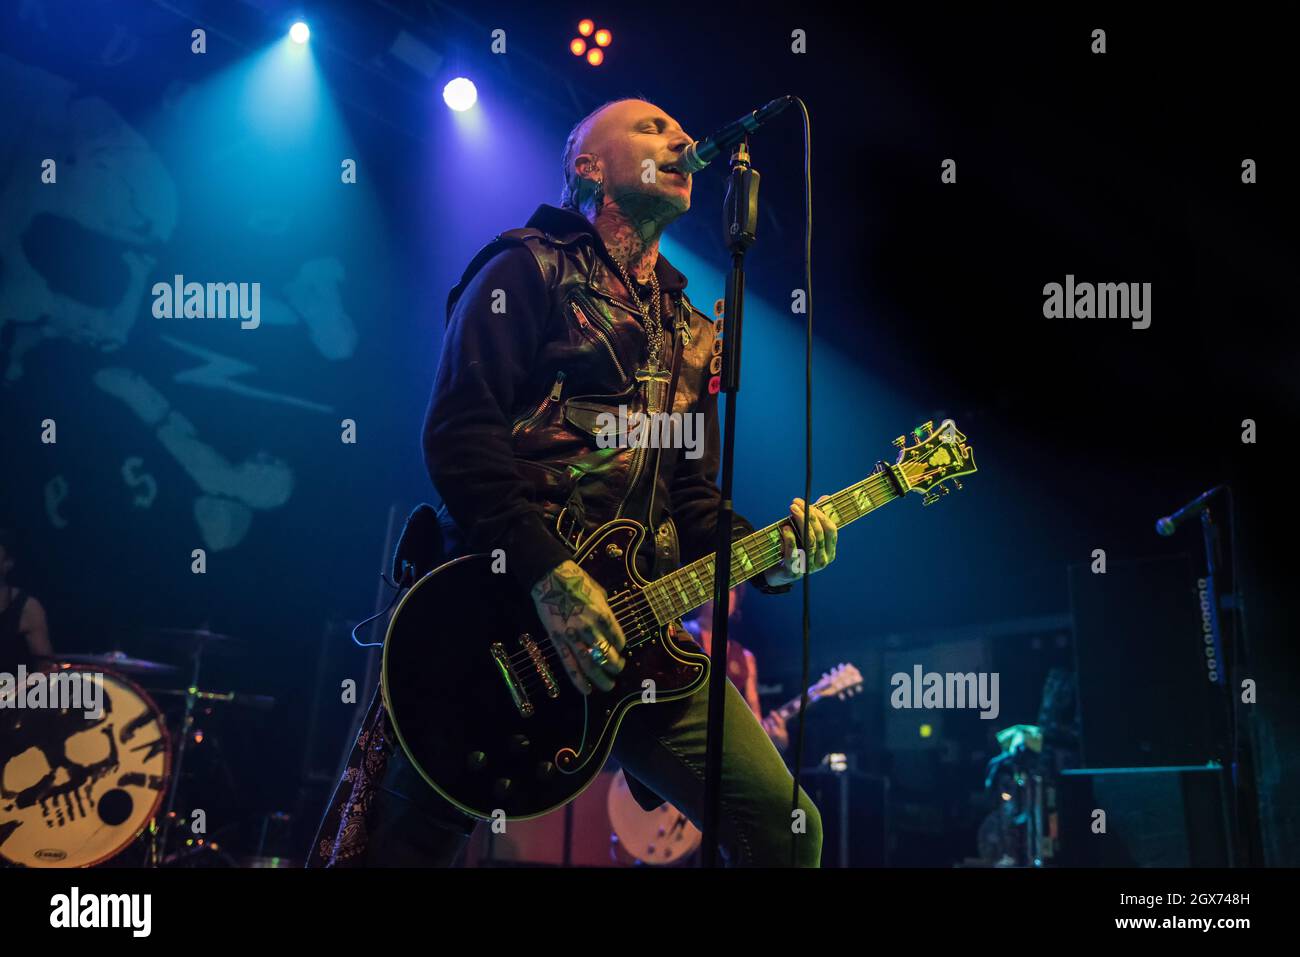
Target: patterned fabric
<point>344,831</point>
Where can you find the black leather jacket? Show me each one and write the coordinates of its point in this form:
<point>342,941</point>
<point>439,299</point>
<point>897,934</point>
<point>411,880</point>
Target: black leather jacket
<point>538,346</point>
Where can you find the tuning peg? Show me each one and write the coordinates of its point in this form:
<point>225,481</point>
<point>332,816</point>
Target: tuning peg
<point>957,482</point>
<point>900,441</point>
<point>929,498</point>
<point>928,428</point>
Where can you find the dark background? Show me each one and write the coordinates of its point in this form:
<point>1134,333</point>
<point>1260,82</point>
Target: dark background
<point>1122,167</point>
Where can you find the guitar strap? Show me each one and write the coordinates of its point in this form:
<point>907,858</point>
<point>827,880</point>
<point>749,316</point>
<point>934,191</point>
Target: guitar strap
<point>677,347</point>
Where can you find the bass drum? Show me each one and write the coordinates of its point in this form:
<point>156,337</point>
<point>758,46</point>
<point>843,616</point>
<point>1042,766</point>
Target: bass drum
<point>78,786</point>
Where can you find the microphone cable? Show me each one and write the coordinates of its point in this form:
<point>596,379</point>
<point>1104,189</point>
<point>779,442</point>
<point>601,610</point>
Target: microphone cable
<point>808,471</point>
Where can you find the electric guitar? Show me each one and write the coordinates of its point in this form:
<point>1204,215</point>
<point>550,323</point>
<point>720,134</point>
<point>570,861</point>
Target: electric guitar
<point>665,835</point>
<point>475,690</point>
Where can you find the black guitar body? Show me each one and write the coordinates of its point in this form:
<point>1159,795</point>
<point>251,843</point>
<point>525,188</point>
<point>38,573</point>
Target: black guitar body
<point>479,698</point>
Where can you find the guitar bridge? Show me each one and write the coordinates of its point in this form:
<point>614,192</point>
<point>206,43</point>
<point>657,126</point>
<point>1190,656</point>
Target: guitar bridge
<point>511,677</point>
<point>540,665</point>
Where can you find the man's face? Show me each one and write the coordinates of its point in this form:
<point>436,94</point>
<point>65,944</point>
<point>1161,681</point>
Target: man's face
<point>635,143</point>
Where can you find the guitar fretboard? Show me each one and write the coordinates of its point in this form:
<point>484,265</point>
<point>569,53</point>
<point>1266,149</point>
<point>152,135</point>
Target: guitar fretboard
<point>690,586</point>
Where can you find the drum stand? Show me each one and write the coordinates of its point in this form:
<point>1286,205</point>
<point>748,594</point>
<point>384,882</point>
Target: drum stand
<point>160,836</point>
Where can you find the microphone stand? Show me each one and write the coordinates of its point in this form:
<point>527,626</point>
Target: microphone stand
<point>1241,834</point>
<point>739,222</point>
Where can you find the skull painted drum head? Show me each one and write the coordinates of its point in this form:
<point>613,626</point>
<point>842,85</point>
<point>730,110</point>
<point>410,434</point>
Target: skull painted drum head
<point>84,761</point>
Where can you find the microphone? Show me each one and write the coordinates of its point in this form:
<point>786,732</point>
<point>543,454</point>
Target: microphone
<point>1169,524</point>
<point>702,152</point>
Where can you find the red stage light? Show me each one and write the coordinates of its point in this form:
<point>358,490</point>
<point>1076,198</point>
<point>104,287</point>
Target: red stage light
<point>585,27</point>
<point>595,56</point>
<point>603,37</point>
<point>578,46</point>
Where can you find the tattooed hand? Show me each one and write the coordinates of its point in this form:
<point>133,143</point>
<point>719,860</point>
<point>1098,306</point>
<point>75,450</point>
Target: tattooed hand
<point>581,625</point>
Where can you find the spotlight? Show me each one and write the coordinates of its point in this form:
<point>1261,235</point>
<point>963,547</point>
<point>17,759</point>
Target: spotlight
<point>460,94</point>
<point>299,33</point>
<point>603,37</point>
<point>577,46</point>
<point>595,56</point>
<point>585,27</point>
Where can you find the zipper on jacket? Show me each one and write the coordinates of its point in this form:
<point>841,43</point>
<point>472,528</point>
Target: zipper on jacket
<point>638,460</point>
<point>553,397</point>
<point>599,333</point>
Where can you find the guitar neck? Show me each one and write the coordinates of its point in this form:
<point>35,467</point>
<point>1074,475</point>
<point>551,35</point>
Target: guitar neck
<point>680,592</point>
<point>791,707</point>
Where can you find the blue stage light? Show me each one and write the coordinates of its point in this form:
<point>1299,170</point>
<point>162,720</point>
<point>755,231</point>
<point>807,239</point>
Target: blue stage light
<point>460,94</point>
<point>299,33</point>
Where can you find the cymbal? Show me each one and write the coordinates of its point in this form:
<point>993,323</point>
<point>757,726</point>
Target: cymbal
<point>198,634</point>
<point>193,640</point>
<point>118,661</point>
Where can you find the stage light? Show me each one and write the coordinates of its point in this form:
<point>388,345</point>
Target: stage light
<point>460,94</point>
<point>602,38</point>
<point>299,33</point>
<point>927,730</point>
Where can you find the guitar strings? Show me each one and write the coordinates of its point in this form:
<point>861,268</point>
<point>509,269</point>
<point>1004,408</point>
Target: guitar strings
<point>639,602</point>
<point>636,607</point>
<point>632,608</point>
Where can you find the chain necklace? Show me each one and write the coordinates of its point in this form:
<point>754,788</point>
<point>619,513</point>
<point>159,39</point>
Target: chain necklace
<point>652,313</point>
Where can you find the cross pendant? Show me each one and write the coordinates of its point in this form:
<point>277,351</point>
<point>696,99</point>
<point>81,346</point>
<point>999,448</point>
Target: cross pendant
<point>656,381</point>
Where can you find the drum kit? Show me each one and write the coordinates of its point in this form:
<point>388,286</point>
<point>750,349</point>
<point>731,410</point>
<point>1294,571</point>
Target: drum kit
<point>87,786</point>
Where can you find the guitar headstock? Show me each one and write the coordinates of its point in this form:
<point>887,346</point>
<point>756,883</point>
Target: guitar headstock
<point>935,456</point>
<point>843,680</point>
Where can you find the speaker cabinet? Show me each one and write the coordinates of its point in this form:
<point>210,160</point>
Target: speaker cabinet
<point>1154,817</point>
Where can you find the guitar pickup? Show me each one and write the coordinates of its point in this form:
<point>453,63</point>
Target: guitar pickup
<point>511,677</point>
